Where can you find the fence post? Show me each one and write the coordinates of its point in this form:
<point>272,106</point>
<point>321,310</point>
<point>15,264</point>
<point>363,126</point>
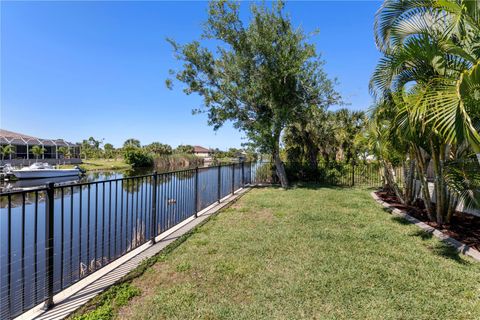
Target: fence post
<point>353,174</point>
<point>219,183</point>
<point>153,227</point>
<point>233,178</point>
<point>251,164</point>
<point>243,174</point>
<point>196,192</point>
<point>49,242</point>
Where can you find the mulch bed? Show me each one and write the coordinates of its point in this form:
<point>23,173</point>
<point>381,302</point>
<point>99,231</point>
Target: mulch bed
<point>464,227</point>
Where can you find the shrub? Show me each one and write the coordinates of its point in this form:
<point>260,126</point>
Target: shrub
<point>138,158</point>
<point>265,173</point>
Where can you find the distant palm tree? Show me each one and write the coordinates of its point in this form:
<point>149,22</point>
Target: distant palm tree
<point>6,151</point>
<point>38,151</point>
<point>65,151</point>
<point>132,143</point>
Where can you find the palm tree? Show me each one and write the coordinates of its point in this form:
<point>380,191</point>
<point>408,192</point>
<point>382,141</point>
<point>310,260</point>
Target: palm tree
<point>6,151</point>
<point>392,147</point>
<point>435,42</point>
<point>431,69</point>
<point>38,151</point>
<point>132,143</point>
<point>65,151</point>
<point>159,148</point>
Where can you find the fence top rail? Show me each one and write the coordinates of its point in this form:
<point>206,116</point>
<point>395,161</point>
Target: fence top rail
<point>81,184</point>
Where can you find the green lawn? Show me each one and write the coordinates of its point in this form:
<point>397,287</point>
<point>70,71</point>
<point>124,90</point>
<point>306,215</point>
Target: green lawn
<point>102,164</point>
<point>312,253</point>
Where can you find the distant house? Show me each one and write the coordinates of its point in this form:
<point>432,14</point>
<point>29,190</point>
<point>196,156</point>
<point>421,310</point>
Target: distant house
<point>201,152</point>
<point>22,148</point>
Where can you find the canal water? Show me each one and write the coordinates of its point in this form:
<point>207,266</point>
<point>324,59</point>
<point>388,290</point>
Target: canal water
<point>95,223</point>
<point>91,176</point>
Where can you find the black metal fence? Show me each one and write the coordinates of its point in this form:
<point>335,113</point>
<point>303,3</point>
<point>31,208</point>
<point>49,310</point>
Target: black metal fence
<point>52,237</point>
<point>341,174</point>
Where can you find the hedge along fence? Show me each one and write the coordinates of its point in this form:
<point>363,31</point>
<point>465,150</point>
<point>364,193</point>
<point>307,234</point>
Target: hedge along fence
<point>341,174</point>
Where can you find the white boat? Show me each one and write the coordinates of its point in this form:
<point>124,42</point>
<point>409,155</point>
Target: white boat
<point>40,170</point>
<point>32,183</point>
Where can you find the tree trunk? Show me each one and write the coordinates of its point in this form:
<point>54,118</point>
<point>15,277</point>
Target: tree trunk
<point>391,181</point>
<point>409,180</point>
<point>441,199</point>
<point>279,166</point>
<point>421,171</point>
<point>451,207</point>
<point>280,169</point>
<point>312,150</point>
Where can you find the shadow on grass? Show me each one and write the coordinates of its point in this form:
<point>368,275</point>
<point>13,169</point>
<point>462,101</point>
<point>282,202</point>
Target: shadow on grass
<point>424,235</point>
<point>315,186</point>
<point>265,186</point>
<point>448,252</point>
<point>399,220</point>
<point>300,185</point>
<point>441,249</point>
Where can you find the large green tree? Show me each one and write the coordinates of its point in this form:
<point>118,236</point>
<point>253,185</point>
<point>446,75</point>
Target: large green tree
<point>108,150</point>
<point>261,75</point>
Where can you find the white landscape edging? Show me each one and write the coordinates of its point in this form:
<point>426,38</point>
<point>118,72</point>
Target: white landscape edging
<point>459,246</point>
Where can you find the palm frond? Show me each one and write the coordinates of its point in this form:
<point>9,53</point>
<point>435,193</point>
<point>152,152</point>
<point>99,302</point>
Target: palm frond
<point>463,180</point>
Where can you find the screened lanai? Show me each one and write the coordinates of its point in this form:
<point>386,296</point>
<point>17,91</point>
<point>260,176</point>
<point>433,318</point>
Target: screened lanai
<point>22,147</point>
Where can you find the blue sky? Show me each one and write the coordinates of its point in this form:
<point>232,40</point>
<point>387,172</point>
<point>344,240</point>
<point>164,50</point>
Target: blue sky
<point>78,69</point>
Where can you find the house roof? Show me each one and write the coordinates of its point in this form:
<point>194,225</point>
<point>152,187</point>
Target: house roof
<point>199,149</point>
<point>10,137</point>
<point>11,134</point>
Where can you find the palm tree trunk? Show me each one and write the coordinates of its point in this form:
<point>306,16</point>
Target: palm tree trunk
<point>421,171</point>
<point>391,181</point>
<point>436,188</point>
<point>409,179</point>
<point>451,208</point>
<point>441,197</point>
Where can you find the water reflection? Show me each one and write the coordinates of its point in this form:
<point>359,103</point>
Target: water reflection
<point>32,183</point>
<point>92,176</point>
